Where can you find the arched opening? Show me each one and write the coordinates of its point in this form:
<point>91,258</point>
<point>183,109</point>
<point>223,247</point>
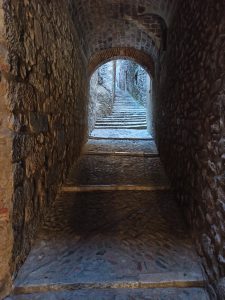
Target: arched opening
<point>120,100</point>
<point>109,211</point>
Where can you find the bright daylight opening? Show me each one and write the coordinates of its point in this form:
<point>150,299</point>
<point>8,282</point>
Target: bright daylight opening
<point>120,101</point>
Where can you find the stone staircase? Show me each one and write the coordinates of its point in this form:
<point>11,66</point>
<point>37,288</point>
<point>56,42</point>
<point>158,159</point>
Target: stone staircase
<point>126,114</point>
<point>114,232</point>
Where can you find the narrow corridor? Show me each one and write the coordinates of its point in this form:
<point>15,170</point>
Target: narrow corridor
<point>115,232</point>
<point>102,202</point>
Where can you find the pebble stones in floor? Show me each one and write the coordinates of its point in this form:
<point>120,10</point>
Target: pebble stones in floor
<point>113,245</point>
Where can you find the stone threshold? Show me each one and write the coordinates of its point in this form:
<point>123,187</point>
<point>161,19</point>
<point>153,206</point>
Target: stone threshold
<point>150,281</point>
<point>121,127</point>
<point>120,138</point>
<point>122,153</point>
<point>112,187</point>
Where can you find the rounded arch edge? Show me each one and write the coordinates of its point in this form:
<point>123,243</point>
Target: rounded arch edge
<point>140,57</point>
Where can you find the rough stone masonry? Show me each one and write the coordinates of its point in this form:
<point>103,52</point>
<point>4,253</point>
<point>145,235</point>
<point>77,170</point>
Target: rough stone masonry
<point>47,49</point>
<point>43,113</point>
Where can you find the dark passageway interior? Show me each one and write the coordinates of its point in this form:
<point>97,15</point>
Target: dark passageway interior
<point>112,143</point>
<point>111,232</point>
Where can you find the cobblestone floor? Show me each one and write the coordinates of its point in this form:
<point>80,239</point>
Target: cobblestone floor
<point>118,244</point>
<point>108,170</point>
<point>106,236</point>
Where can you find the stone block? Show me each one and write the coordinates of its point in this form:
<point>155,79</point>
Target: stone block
<point>38,122</point>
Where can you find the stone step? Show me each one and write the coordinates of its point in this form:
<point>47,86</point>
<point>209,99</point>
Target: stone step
<point>125,117</point>
<point>113,117</point>
<point>118,119</point>
<point>141,146</point>
<point>118,134</point>
<point>130,109</point>
<point>112,188</point>
<point>121,127</point>
<point>118,170</point>
<point>131,119</point>
<point>124,153</point>
<point>121,123</point>
<point>122,294</point>
<point>128,105</point>
<point>121,115</point>
<point>140,127</point>
<point>134,112</point>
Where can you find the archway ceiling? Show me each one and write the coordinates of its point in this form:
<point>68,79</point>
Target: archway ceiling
<point>104,24</point>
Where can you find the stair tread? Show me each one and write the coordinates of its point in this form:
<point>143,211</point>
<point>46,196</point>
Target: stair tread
<point>122,294</point>
<point>120,133</point>
<point>122,145</point>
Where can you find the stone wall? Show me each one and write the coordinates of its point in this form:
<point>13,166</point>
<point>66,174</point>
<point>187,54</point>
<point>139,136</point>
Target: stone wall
<point>6,174</point>
<point>102,93</point>
<point>47,111</point>
<point>137,82</point>
<point>189,115</point>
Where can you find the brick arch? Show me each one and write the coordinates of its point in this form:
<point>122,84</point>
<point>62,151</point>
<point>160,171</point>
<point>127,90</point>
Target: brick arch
<point>140,57</point>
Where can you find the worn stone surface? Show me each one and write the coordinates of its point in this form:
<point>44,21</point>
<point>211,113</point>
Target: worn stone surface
<point>121,134</point>
<point>190,122</point>
<point>110,236</point>
<point>106,170</point>
<point>126,239</point>
<point>42,119</point>
<point>46,110</point>
<point>112,146</point>
<point>120,294</point>
<point>6,173</point>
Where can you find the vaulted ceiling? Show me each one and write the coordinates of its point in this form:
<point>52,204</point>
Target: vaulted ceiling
<point>140,24</point>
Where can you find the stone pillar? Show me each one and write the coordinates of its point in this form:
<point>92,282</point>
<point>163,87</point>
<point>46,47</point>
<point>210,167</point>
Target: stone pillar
<point>6,180</point>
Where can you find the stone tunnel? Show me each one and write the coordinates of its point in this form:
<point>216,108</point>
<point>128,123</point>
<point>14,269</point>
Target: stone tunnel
<point>48,52</point>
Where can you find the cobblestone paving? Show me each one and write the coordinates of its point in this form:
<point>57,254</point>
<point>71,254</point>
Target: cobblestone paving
<point>109,236</point>
<point>113,243</point>
<point>120,145</point>
<point>120,294</point>
<point>106,170</point>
